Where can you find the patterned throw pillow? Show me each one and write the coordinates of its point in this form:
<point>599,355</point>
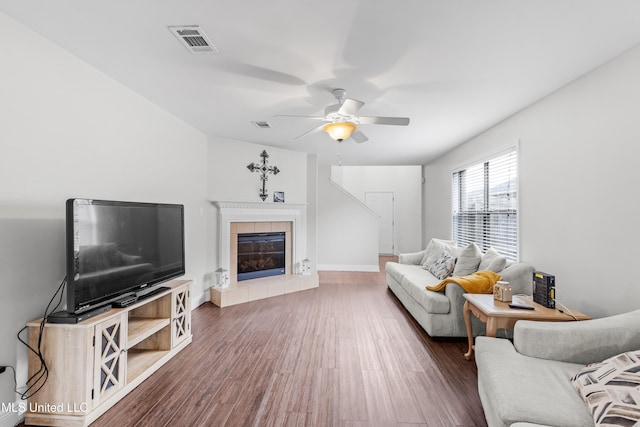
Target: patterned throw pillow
<point>611,389</point>
<point>443,266</point>
<point>434,250</point>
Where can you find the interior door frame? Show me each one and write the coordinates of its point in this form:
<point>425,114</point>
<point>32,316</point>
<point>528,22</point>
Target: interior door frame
<point>393,218</point>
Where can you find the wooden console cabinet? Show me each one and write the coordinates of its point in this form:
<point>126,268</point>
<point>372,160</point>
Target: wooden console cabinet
<point>95,363</point>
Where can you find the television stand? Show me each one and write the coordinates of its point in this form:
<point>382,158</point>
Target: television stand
<point>94,364</point>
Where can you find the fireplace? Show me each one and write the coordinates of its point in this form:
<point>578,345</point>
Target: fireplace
<point>261,255</point>
<point>241,218</point>
<point>237,218</point>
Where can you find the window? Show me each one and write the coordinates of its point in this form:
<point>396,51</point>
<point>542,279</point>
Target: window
<point>485,204</point>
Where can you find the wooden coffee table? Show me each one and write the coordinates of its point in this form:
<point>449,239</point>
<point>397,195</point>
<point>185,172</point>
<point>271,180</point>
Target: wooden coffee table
<point>498,314</point>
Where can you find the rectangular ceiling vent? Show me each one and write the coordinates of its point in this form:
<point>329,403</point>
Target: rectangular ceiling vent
<point>194,39</point>
<point>262,125</point>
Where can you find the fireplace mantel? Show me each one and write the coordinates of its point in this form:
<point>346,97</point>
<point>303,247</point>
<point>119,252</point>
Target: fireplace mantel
<point>256,212</point>
<point>259,206</point>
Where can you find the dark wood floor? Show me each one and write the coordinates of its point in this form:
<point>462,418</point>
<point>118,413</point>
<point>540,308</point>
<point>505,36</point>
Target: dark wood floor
<point>343,354</point>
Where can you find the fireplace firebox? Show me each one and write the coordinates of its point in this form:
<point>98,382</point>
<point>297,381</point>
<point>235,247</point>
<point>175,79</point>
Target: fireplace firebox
<point>260,255</point>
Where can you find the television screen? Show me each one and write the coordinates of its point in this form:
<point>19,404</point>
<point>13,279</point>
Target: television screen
<point>117,248</point>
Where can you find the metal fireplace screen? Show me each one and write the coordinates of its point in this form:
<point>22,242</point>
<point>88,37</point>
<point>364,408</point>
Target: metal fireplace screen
<point>260,255</point>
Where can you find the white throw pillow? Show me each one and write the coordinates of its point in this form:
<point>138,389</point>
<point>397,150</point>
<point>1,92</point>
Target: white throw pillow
<point>435,249</point>
<point>443,266</point>
<point>468,260</point>
<point>493,261</point>
<point>611,389</point>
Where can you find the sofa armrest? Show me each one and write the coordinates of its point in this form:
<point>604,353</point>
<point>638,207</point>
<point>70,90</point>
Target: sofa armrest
<point>413,258</point>
<point>584,342</point>
<point>455,292</point>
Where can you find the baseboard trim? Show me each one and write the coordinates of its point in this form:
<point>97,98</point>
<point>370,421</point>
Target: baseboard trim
<point>204,297</point>
<point>13,413</point>
<point>340,267</point>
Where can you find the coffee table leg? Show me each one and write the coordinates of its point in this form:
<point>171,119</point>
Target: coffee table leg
<point>466,311</point>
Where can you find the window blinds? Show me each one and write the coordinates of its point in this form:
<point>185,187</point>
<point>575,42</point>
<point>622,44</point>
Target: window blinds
<point>485,204</point>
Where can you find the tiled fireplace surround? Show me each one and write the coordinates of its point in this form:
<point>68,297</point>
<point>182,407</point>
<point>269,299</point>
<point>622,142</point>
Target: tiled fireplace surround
<point>247,217</point>
<point>258,227</point>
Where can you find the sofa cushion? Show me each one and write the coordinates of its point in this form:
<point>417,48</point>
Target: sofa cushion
<point>434,250</point>
<point>413,279</point>
<point>520,277</point>
<point>433,302</point>
<point>398,271</point>
<point>443,266</point>
<point>493,261</point>
<point>518,388</point>
<point>467,260</point>
<point>611,389</point>
<point>410,273</point>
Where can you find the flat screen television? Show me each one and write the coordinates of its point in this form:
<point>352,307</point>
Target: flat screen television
<point>120,248</point>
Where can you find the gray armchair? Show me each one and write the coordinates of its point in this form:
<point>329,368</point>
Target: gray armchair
<point>529,381</point>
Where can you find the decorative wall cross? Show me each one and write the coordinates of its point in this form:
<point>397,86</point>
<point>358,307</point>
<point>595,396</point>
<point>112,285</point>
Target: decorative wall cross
<point>263,170</point>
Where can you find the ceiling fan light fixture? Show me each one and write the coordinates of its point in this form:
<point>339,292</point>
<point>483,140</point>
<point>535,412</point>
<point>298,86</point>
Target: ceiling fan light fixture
<point>339,130</point>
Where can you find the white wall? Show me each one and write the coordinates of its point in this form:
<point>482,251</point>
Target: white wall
<point>578,172</point>
<point>228,179</point>
<point>67,130</point>
<point>405,182</point>
<point>347,229</point>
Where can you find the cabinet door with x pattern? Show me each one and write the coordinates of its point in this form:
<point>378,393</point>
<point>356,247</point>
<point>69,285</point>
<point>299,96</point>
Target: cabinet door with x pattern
<point>181,315</point>
<point>110,360</point>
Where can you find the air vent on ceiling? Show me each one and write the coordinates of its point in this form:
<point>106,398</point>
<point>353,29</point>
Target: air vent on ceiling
<point>194,39</point>
<point>262,125</point>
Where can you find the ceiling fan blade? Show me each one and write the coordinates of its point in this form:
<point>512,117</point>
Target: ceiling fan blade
<point>398,121</point>
<point>302,117</point>
<point>359,137</point>
<point>350,106</point>
<point>314,130</point>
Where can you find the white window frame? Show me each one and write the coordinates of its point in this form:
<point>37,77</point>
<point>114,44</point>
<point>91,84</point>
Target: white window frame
<point>514,254</point>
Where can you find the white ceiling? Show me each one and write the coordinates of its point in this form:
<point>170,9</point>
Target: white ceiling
<point>455,67</point>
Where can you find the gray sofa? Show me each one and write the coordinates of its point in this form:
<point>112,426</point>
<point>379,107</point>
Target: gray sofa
<point>528,383</point>
<point>440,313</point>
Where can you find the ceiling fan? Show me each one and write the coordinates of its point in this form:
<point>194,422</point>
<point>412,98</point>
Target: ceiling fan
<point>342,121</point>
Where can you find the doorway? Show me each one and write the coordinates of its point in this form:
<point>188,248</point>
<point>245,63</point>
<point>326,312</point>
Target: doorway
<point>382,204</point>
